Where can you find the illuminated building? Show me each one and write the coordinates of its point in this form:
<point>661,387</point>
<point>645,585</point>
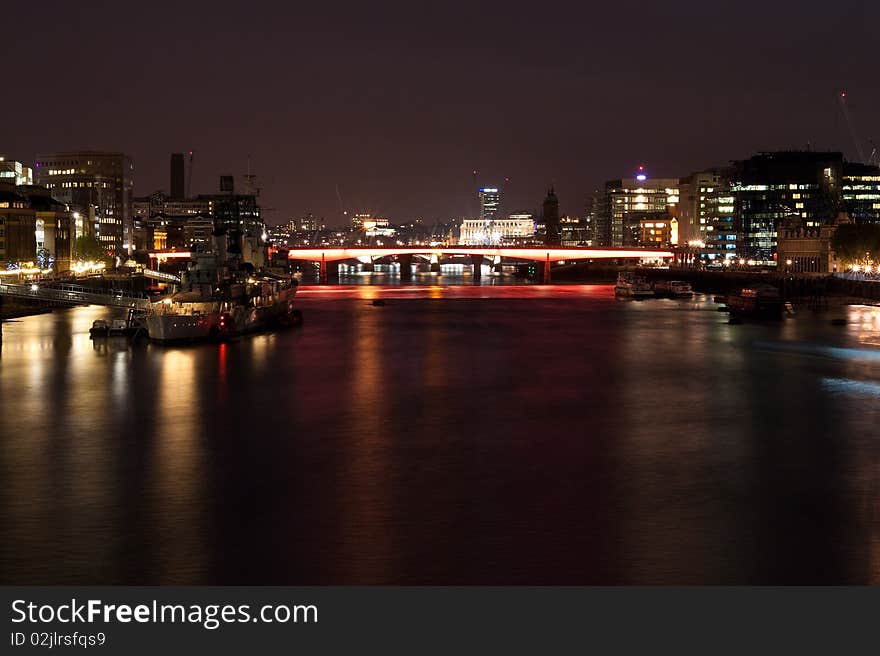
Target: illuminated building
<point>490,203</point>
<point>163,222</point>
<point>658,233</point>
<point>357,221</point>
<point>807,249</point>
<point>627,201</point>
<point>517,228</point>
<point>861,192</point>
<point>575,231</point>
<point>15,172</point>
<point>772,185</point>
<point>33,223</point>
<point>94,184</point>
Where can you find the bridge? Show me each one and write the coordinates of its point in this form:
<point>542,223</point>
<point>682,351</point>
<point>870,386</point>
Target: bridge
<point>73,295</point>
<point>544,256</point>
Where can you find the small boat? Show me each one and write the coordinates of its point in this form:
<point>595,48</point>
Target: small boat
<point>629,286</point>
<point>673,289</point>
<point>757,302</point>
<point>100,328</point>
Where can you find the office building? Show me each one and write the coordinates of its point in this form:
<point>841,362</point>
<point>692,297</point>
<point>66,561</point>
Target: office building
<point>94,184</point>
<point>772,185</point>
<point>627,201</point>
<point>15,172</point>
<point>861,192</point>
<point>490,203</point>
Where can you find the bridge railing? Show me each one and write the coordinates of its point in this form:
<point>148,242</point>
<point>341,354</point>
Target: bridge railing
<point>73,295</point>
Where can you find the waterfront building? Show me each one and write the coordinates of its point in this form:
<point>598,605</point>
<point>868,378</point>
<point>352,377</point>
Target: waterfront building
<point>627,201</point>
<point>94,184</point>
<point>17,227</point>
<point>515,229</point>
<point>15,172</point>
<point>772,185</point>
<point>861,192</point>
<point>33,225</point>
<point>660,232</point>
<point>695,191</point>
<point>806,248</point>
<point>490,203</point>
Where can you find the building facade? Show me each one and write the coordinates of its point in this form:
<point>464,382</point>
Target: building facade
<point>773,185</point>
<point>15,172</point>
<point>516,229</point>
<point>98,185</point>
<point>490,203</point>
<point>807,249</point>
<point>629,201</point>
<point>861,192</point>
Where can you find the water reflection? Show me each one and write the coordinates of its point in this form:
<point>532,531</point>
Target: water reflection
<point>476,434</point>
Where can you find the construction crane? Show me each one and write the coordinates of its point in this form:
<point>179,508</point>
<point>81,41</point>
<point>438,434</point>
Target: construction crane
<point>852,131</point>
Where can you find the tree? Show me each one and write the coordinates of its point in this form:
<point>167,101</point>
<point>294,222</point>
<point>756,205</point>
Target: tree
<point>88,249</point>
<point>857,243</point>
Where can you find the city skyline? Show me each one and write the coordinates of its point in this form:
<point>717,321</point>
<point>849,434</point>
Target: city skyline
<point>337,120</point>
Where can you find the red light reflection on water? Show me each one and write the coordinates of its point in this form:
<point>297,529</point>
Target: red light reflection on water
<point>369,292</point>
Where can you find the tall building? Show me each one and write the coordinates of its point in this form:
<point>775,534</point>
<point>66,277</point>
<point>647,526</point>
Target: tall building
<point>628,201</point>
<point>15,172</point>
<point>693,205</point>
<point>178,176</point>
<point>490,203</point>
<point>550,219</point>
<point>861,192</point>
<point>772,185</point>
<point>94,184</point>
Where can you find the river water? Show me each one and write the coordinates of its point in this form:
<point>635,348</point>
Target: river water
<point>492,435</point>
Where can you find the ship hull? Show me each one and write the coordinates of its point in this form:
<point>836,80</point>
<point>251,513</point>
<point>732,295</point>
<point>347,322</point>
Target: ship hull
<point>219,325</point>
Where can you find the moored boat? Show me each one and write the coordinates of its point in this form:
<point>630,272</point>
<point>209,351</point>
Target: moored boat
<point>630,286</point>
<point>673,289</point>
<point>757,302</point>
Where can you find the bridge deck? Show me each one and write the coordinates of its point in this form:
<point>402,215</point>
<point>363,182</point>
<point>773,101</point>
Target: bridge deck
<point>534,254</point>
<point>73,295</point>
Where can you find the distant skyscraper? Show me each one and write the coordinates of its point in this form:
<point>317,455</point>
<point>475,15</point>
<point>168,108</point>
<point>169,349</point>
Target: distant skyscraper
<point>95,184</point>
<point>178,176</point>
<point>490,203</point>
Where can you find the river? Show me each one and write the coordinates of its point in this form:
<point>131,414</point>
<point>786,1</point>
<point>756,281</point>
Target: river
<point>453,435</point>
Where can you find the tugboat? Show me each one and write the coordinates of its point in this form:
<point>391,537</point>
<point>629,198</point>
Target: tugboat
<point>629,286</point>
<point>220,298</point>
<point>756,302</point>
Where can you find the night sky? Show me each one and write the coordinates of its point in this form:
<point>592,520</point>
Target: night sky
<point>397,103</point>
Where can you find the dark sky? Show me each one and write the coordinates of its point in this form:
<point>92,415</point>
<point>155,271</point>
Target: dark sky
<point>397,103</point>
